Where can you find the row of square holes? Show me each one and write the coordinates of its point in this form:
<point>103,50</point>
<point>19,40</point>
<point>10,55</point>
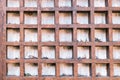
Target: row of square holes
<point>62,3</point>
<point>65,35</point>
<point>48,18</point>
<point>66,69</point>
<point>65,52</point>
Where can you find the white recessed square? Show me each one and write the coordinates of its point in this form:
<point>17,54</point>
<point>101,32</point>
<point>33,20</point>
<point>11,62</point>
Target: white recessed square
<point>116,34</point>
<point>13,52</point>
<point>83,35</point>
<point>48,69</point>
<point>84,70</point>
<point>30,35</point>
<point>13,18</point>
<point>116,52</point>
<point>82,3</point>
<point>30,3</point>
<point>13,35</point>
<point>99,3</point>
<point>115,3</point>
<point>65,35</point>
<point>65,3</point>
<point>100,18</point>
<point>66,69</point>
<point>83,52</point>
<point>101,52</point>
<point>13,3</point>
<point>101,70</point>
<point>31,69</point>
<point>48,52</point>
<point>100,35</point>
<point>13,69</point>
<point>47,35</point>
<point>65,18</point>
<point>116,17</point>
<point>47,18</point>
<point>47,3</point>
<point>66,52</point>
<point>30,18</point>
<point>83,18</point>
<point>116,68</point>
<point>31,52</point>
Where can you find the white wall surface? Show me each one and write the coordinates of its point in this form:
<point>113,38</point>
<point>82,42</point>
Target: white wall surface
<point>66,52</point>
<point>83,35</point>
<point>30,3</point>
<point>13,52</point>
<point>84,70</point>
<point>101,70</point>
<point>48,52</point>
<point>13,70</point>
<point>13,18</point>
<point>13,35</point>
<point>48,70</point>
<point>82,3</point>
<point>66,69</point>
<point>30,18</point>
<point>83,52</point>
<point>13,3</point>
<point>65,3</point>
<point>65,35</point>
<point>48,35</point>
<point>47,3</point>
<point>30,35</point>
<point>101,52</point>
<point>65,18</point>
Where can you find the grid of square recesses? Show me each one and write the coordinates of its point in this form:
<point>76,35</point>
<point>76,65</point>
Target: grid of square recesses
<point>47,39</point>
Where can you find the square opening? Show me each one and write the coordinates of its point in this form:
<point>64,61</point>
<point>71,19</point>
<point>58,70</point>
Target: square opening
<point>116,17</point>
<point>13,3</point>
<point>100,35</point>
<point>100,3</point>
<point>48,52</point>
<point>48,35</point>
<point>65,18</point>
<point>83,17</point>
<point>31,69</point>
<point>48,18</point>
<point>83,52</point>
<point>101,52</point>
<point>47,3</point>
<point>65,3</point>
<point>30,17</point>
<point>65,35</point>
<point>116,52</point>
<point>13,52</point>
<point>66,69</point>
<point>116,68</point>
<point>30,3</point>
<point>66,52</point>
<point>13,69</point>
<point>82,3</point>
<point>100,18</point>
<point>116,34</point>
<point>48,69</point>
<point>102,70</point>
<point>84,70</point>
<point>13,35</point>
<point>30,35</point>
<point>31,52</point>
<point>115,3</point>
<point>13,17</point>
<point>83,35</point>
